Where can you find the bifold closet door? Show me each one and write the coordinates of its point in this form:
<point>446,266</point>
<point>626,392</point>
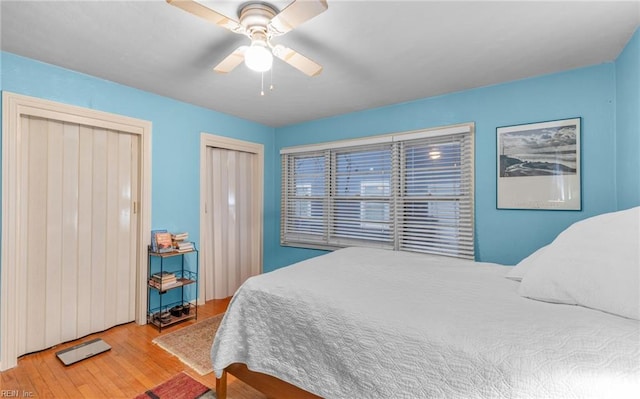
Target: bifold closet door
<point>79,240</point>
<point>233,252</point>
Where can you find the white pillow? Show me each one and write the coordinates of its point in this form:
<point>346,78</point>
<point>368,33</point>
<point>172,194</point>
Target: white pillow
<point>594,263</point>
<point>518,271</point>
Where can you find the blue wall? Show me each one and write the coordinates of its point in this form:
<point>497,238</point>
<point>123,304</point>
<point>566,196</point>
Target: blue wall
<point>175,144</point>
<point>628,124</point>
<point>588,93</point>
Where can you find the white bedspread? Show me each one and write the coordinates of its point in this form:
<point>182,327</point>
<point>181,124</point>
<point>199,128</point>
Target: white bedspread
<point>366,323</point>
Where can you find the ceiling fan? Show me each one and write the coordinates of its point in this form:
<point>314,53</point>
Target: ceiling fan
<point>261,22</point>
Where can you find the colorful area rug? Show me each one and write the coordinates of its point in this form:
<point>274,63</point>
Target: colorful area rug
<point>192,344</point>
<point>179,387</point>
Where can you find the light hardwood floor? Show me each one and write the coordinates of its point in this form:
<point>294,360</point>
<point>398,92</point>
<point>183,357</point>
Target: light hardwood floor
<point>132,366</point>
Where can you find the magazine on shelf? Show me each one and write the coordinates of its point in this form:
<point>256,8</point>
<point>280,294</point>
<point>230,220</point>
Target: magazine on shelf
<point>154,242</point>
<point>163,240</point>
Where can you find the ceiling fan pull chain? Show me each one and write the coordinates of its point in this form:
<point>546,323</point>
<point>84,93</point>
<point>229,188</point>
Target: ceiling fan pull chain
<point>271,84</point>
<point>262,83</point>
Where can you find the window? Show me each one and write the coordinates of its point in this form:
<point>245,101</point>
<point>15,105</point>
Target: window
<point>361,196</point>
<point>374,214</point>
<point>306,199</point>
<point>410,191</point>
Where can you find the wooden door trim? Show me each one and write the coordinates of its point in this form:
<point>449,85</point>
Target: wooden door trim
<point>14,106</point>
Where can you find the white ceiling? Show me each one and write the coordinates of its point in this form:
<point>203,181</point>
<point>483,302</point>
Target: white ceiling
<point>374,53</point>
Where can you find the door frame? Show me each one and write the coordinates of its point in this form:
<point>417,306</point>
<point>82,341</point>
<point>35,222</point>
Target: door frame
<point>14,106</point>
<point>212,140</point>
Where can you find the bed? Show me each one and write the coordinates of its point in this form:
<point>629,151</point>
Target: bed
<point>372,323</point>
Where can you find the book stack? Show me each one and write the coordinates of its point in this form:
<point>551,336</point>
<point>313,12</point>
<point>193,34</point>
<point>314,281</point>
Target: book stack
<point>180,236</point>
<point>163,280</point>
<point>180,242</point>
<point>184,246</point>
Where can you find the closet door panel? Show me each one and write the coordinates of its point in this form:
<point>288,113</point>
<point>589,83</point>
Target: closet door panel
<point>99,228</point>
<point>232,244</point>
<point>70,265</point>
<point>80,231</point>
<point>123,230</point>
<point>35,215</point>
<point>85,230</point>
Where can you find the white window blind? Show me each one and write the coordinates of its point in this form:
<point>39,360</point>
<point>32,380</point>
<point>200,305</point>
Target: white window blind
<point>410,192</point>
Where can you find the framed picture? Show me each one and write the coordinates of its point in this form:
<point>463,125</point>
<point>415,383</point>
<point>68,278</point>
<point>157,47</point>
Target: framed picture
<point>539,166</point>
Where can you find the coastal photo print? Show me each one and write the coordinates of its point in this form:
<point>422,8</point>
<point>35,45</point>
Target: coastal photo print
<point>539,166</point>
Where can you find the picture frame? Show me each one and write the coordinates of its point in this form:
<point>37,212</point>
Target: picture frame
<point>539,165</point>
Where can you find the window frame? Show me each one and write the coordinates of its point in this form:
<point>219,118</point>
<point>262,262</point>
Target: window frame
<point>459,241</point>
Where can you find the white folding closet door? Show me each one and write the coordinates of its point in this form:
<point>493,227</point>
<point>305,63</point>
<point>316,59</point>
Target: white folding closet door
<point>79,242</point>
<point>233,236</point>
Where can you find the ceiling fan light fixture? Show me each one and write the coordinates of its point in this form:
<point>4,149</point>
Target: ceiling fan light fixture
<point>258,57</point>
<point>260,22</point>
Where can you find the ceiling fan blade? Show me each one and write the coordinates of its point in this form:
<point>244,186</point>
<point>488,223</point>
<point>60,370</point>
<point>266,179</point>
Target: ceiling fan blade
<point>208,14</point>
<point>231,61</point>
<point>297,60</point>
<point>296,13</point>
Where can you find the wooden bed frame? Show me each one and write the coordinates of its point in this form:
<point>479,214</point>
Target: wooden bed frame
<point>272,387</point>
